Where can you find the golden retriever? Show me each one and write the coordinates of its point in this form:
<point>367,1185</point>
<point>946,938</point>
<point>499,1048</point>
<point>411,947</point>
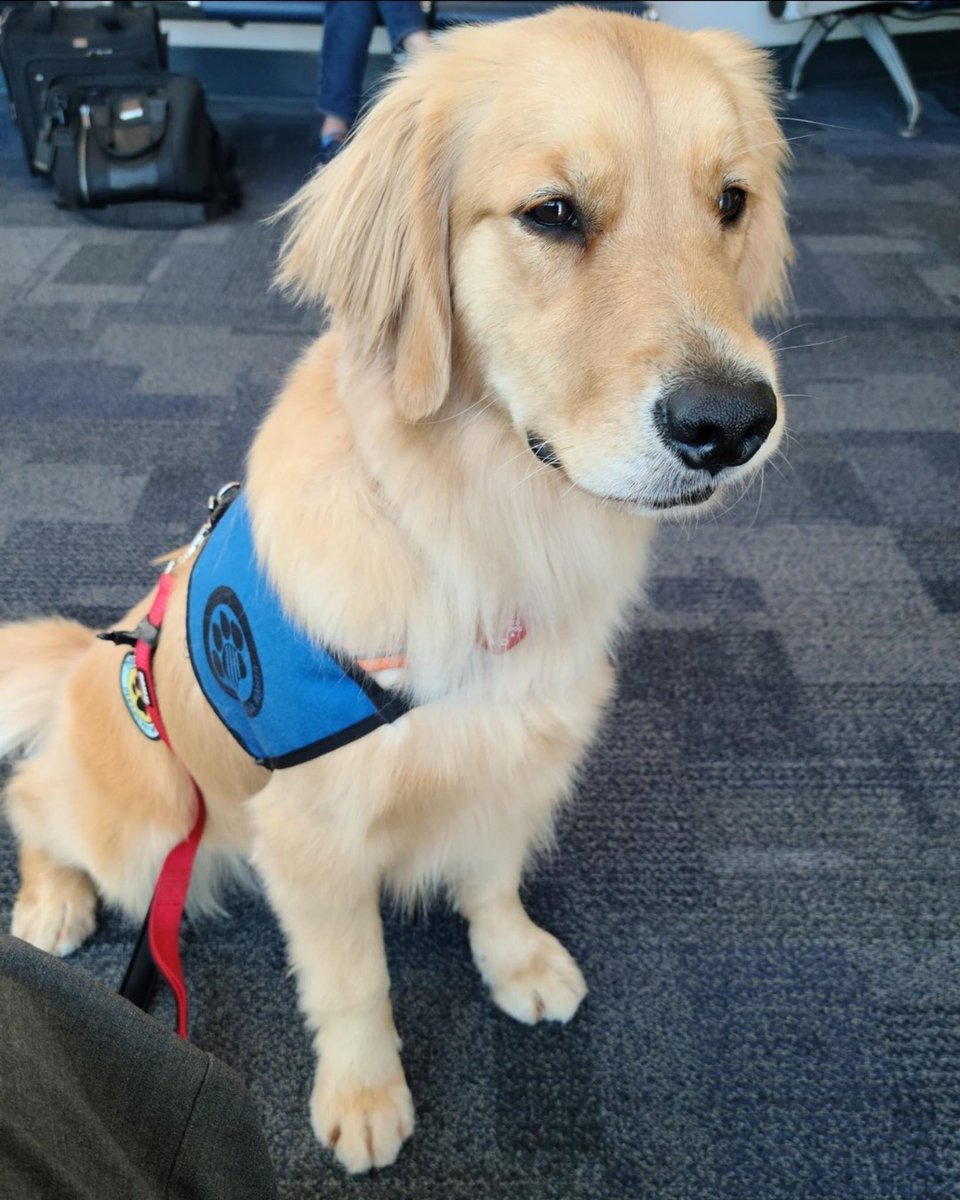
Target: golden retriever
<point>542,254</point>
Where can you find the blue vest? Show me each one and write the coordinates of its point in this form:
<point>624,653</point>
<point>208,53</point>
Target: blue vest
<point>284,698</point>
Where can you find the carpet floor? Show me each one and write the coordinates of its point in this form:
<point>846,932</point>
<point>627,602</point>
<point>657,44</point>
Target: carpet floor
<point>760,877</point>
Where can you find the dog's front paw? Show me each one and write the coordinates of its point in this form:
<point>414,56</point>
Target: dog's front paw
<point>56,915</point>
<point>365,1126</point>
<point>540,983</point>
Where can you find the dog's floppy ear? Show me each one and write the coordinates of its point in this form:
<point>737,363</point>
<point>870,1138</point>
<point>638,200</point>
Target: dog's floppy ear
<point>369,236</point>
<point>768,252</point>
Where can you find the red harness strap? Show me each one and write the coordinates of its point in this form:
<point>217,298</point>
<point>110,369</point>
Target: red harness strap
<point>173,883</point>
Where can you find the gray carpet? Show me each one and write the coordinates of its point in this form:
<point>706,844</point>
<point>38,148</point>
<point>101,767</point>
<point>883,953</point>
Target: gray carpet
<point>760,877</point>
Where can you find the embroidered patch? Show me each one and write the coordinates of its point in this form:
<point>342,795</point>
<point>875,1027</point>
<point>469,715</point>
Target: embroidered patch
<point>133,697</point>
<point>230,650</point>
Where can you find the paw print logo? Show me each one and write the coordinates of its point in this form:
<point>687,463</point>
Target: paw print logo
<point>230,649</point>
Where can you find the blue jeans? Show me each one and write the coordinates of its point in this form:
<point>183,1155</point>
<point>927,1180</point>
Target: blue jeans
<point>347,27</point>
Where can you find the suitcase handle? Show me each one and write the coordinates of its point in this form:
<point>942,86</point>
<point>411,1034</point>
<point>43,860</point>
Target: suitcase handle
<point>42,17</point>
<point>109,16</point>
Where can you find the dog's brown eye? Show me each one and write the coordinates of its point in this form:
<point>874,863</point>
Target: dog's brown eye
<point>554,214</point>
<point>732,202</point>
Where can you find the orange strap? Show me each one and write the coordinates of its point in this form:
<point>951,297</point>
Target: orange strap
<point>382,664</point>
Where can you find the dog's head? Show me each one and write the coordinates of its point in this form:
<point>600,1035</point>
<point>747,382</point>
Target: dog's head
<point>581,214</point>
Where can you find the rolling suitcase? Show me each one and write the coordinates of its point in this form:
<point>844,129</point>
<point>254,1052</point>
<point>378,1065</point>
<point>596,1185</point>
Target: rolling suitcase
<point>40,42</point>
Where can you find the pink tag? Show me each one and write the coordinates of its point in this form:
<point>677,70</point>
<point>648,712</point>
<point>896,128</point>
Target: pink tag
<point>513,636</point>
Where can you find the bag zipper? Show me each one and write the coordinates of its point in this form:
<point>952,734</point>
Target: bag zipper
<point>82,151</point>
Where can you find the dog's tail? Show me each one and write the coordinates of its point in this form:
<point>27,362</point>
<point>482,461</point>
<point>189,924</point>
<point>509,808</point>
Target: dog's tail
<point>35,657</point>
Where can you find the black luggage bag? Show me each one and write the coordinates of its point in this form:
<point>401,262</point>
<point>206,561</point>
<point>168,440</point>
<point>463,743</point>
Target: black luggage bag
<point>40,42</point>
<point>138,148</point>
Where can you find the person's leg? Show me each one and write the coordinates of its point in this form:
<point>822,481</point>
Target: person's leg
<point>406,24</point>
<point>347,27</point>
<point>98,1099</point>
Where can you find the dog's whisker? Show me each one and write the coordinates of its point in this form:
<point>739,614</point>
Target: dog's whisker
<point>778,141</point>
<point>810,345</point>
<point>756,511</point>
<point>790,439</point>
<point>819,124</point>
<point>722,511</point>
<point>477,410</point>
<point>801,121</point>
<point>784,332</point>
<point>739,491</point>
<point>527,478</point>
<point>490,400</point>
<point>780,454</point>
<point>468,424</point>
<point>514,458</point>
<point>771,461</point>
<point>538,470</point>
<point>462,412</point>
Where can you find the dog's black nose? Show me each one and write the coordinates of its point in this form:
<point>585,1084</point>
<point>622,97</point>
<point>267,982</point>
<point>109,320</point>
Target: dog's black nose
<point>717,424</point>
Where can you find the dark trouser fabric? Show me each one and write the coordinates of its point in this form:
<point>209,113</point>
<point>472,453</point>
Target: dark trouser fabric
<point>100,1102</point>
<point>347,28</point>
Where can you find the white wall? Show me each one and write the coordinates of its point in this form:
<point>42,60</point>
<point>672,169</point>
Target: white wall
<point>749,17</point>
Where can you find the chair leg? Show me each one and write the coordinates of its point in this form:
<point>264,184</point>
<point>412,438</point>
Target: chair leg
<point>820,27</point>
<point>876,33</point>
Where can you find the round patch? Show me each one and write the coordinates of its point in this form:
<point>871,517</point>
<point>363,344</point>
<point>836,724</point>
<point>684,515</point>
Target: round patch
<point>230,650</point>
<point>133,699</point>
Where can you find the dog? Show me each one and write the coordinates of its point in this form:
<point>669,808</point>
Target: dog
<point>542,254</point>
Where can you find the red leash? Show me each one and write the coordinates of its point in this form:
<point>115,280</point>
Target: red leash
<point>173,882</point>
<point>158,946</point>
